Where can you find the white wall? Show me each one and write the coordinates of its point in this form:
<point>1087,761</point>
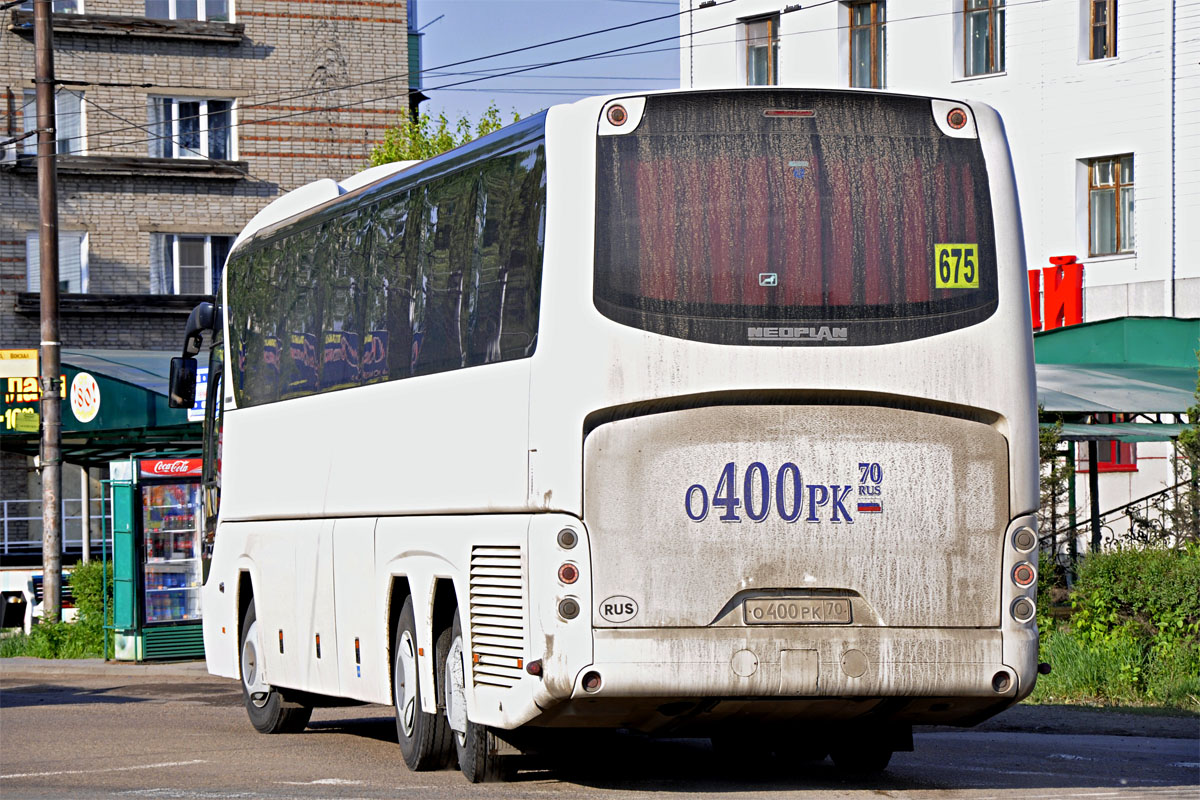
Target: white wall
<point>1059,107</point>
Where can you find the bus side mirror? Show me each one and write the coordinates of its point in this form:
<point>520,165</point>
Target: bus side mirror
<point>203,318</point>
<point>182,391</point>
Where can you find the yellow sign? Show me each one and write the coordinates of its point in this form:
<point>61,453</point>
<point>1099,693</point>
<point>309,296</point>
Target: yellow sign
<point>21,420</point>
<point>26,390</point>
<point>956,266</point>
<point>18,363</point>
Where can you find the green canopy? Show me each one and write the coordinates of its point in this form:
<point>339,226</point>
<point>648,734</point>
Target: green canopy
<point>1121,431</point>
<point>120,408</point>
<point>1115,388</point>
<point>1130,365</point>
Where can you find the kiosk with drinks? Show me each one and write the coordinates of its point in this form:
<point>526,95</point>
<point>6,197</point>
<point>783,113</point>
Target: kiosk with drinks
<point>157,558</point>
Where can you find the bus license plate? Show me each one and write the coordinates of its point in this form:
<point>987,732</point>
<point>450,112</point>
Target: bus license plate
<point>797,611</point>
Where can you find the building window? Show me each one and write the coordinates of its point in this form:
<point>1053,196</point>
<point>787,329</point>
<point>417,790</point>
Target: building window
<point>60,6</point>
<point>187,264</point>
<point>867,45</point>
<point>1111,455</point>
<point>68,121</point>
<point>1103,28</point>
<point>190,128</point>
<point>210,10</point>
<point>72,262</point>
<point>983,36</point>
<point>1110,205</point>
<point>762,51</point>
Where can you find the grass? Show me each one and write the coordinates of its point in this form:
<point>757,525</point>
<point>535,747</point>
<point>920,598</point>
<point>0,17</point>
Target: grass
<point>57,640</point>
<point>1120,671</point>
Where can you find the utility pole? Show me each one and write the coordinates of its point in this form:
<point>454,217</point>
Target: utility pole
<point>51,455</point>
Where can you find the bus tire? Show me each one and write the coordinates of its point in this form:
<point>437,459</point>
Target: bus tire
<point>269,712</point>
<point>475,758</point>
<point>425,739</point>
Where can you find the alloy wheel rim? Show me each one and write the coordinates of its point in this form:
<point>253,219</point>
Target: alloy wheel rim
<point>406,677</point>
<point>256,687</point>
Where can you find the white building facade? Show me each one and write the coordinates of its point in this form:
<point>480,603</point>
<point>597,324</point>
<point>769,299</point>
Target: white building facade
<point>1100,98</point>
<point>1101,103</point>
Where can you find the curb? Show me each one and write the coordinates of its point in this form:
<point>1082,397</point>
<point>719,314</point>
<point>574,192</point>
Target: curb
<point>42,668</point>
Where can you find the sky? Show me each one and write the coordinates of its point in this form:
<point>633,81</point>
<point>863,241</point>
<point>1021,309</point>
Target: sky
<point>456,30</point>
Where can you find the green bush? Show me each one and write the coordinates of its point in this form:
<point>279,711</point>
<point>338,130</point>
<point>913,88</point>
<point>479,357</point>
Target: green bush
<point>83,638</point>
<point>1134,634</point>
<point>87,584</point>
<point>1154,594</point>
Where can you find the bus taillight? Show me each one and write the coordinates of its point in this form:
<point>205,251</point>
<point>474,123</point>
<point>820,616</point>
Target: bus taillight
<point>1023,609</point>
<point>1023,574</point>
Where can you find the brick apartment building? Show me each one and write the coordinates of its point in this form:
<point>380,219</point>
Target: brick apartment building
<point>177,121</point>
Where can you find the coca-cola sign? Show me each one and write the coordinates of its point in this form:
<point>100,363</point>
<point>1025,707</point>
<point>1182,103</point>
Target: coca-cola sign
<point>171,467</point>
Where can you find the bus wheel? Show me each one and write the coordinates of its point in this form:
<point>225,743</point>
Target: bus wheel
<point>269,712</point>
<point>475,758</point>
<point>424,738</point>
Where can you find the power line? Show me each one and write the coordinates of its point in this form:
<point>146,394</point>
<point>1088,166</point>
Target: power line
<point>342,106</point>
<point>615,52</point>
<point>405,75</point>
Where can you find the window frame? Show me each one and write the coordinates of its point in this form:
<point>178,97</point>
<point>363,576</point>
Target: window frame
<point>1113,455</point>
<point>877,46</point>
<point>1110,24</point>
<point>1118,186</point>
<point>33,260</point>
<point>995,55</point>
<point>71,145</point>
<point>170,262</point>
<point>77,6</point>
<point>201,11</point>
<point>177,149</point>
<point>772,48</point>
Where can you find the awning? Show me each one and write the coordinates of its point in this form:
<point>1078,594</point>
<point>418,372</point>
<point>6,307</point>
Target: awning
<point>114,406</point>
<point>1115,388</point>
<point>1121,431</point>
<point>1129,365</point>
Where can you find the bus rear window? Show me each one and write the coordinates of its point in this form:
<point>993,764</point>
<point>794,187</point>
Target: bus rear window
<point>857,223</point>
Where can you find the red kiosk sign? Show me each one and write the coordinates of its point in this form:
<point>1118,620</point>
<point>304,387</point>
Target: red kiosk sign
<point>170,467</point>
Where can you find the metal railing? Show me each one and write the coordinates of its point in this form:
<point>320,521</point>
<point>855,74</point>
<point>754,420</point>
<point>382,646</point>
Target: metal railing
<point>1142,522</point>
<point>22,524</point>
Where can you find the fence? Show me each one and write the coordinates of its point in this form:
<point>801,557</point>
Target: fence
<point>22,526</point>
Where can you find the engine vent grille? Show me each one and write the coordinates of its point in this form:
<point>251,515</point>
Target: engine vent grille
<point>497,616</point>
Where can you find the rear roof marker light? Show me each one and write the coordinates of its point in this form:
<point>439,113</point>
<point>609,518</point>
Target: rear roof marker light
<point>957,119</point>
<point>789,112</point>
<point>617,115</point>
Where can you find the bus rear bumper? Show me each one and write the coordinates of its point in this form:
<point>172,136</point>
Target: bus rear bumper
<point>949,676</point>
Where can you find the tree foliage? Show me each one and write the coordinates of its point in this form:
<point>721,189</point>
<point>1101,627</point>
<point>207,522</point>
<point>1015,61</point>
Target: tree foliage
<point>1173,520</point>
<point>421,137</point>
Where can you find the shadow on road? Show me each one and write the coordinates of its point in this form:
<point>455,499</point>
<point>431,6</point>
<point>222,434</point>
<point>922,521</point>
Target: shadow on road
<point>53,695</point>
<point>987,761</point>
<point>381,729</point>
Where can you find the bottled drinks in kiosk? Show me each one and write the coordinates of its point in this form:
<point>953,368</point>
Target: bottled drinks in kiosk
<point>157,552</point>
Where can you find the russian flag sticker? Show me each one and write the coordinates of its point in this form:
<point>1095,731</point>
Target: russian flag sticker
<point>870,508</point>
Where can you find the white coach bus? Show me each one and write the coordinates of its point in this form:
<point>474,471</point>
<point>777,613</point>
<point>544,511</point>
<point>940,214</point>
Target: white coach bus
<point>689,413</point>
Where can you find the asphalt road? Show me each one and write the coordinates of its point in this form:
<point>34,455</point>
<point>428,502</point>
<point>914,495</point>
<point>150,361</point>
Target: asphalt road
<point>185,735</point>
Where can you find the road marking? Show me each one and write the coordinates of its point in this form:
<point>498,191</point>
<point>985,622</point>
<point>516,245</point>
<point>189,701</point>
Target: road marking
<point>1069,757</point>
<point>323,782</point>
<point>1186,764</point>
<point>109,769</point>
